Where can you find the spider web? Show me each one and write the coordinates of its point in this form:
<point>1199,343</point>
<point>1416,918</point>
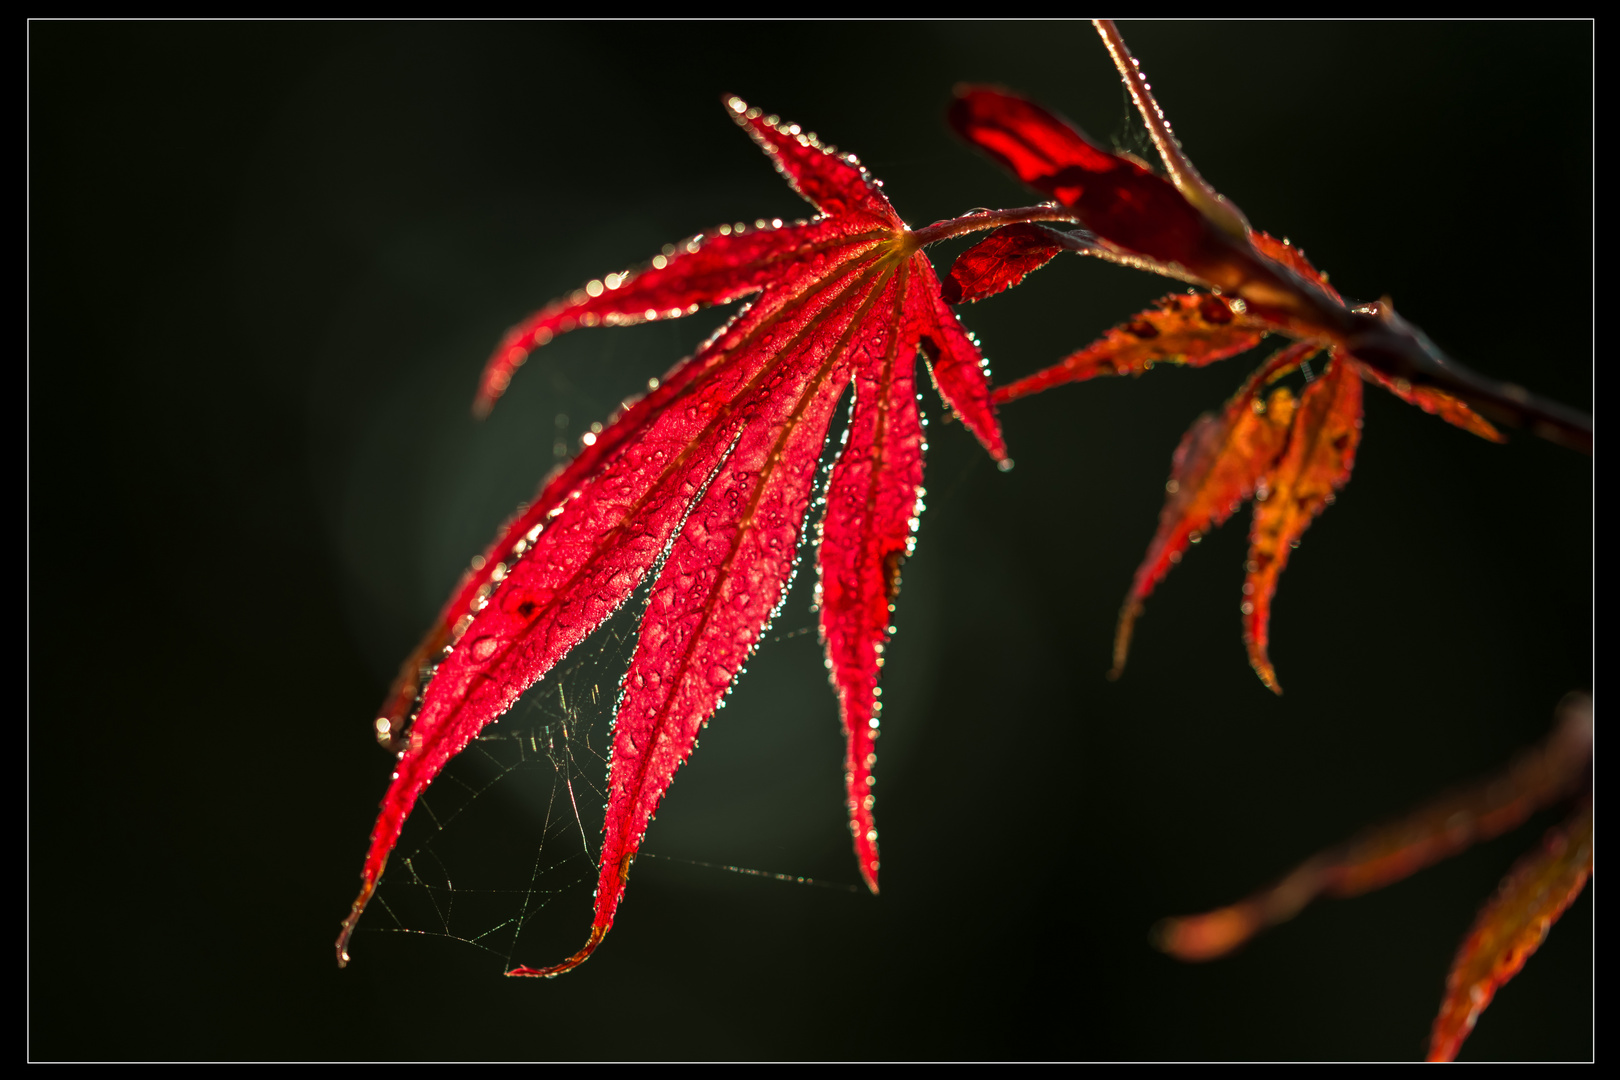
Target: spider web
<point>501,850</point>
<point>1131,135</point>
<point>511,828</point>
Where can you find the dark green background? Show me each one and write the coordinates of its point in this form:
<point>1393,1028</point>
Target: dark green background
<point>267,262</point>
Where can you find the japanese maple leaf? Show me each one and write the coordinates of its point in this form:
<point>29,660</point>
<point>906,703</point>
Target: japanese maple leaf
<point>703,486</point>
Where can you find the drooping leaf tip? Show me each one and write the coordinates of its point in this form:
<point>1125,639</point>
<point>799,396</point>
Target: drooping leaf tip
<point>1197,938</point>
<point>1128,614</point>
<point>598,932</point>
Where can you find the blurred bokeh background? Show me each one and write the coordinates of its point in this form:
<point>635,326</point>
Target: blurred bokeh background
<point>267,262</point>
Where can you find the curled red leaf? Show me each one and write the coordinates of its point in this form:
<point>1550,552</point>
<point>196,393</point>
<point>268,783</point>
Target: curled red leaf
<point>1000,261</point>
<point>1116,197</point>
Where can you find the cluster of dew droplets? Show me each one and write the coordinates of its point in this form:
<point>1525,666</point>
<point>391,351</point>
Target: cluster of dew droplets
<point>806,139</point>
<point>609,283</point>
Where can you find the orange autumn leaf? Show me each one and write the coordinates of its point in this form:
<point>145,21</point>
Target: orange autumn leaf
<point>1512,927</point>
<point>1192,329</point>
<point>1217,467</point>
<point>1289,457</point>
<point>1321,451</point>
<point>1435,402</point>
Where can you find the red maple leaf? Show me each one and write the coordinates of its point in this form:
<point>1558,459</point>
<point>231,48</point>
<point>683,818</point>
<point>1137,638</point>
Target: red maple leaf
<point>702,487</point>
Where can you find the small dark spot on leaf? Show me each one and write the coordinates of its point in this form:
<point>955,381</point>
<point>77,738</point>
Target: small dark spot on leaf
<point>1215,310</point>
